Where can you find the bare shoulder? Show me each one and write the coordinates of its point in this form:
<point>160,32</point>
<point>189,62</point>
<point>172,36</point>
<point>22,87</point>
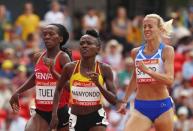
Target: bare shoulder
<point>64,55</point>
<point>64,58</point>
<point>71,65</point>
<point>69,68</point>
<point>134,52</point>
<point>168,48</point>
<point>106,69</point>
<point>104,66</point>
<point>168,51</point>
<point>37,55</point>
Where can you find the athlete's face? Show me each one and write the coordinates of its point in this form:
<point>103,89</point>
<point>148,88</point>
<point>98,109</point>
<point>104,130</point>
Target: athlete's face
<point>150,29</point>
<point>50,36</point>
<point>89,46</point>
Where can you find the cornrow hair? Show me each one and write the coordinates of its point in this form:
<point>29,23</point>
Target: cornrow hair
<point>62,31</point>
<point>95,34</point>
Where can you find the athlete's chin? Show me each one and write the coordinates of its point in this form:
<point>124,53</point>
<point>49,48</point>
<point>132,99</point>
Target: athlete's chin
<point>49,46</point>
<point>85,56</point>
<point>148,38</point>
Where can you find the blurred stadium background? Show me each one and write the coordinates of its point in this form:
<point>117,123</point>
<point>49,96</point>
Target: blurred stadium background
<point>120,25</point>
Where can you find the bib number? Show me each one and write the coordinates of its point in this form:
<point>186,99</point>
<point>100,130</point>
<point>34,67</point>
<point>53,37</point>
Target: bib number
<point>45,92</point>
<point>152,64</point>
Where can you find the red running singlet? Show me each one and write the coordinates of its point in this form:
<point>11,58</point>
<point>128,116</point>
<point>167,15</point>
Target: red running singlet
<point>46,84</point>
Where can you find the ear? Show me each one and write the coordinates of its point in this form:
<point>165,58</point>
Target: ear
<point>61,39</point>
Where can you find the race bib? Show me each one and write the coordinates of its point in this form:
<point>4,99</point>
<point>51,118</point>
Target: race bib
<point>85,95</point>
<point>45,92</point>
<point>152,64</point>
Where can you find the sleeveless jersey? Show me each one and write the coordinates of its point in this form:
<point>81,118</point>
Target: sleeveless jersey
<point>83,91</point>
<point>46,84</point>
<point>153,62</point>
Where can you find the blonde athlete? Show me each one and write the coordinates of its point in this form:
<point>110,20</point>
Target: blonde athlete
<point>154,72</point>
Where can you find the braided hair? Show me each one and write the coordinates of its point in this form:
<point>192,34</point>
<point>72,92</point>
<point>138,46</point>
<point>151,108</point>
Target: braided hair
<point>62,31</point>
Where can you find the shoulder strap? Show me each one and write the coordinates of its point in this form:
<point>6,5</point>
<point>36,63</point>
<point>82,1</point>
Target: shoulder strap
<point>97,67</point>
<point>77,67</point>
<point>57,56</point>
<point>44,52</point>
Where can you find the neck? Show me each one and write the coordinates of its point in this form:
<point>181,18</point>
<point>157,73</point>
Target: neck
<point>153,44</point>
<point>88,63</point>
<point>51,53</point>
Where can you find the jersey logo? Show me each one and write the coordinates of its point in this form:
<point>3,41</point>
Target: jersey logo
<point>43,76</point>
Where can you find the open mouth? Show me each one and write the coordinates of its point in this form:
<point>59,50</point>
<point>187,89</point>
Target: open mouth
<point>84,51</point>
<point>147,34</point>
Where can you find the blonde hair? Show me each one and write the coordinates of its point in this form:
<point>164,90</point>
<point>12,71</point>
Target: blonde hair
<point>165,25</point>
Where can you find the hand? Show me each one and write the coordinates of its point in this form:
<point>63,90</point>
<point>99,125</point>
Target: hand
<point>14,102</point>
<point>121,107</point>
<point>54,121</point>
<point>142,67</point>
<point>94,77</point>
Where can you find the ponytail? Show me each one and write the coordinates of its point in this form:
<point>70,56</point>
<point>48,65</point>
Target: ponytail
<point>168,28</point>
<point>67,51</point>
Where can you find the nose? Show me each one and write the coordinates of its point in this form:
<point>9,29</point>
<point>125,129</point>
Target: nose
<point>84,44</point>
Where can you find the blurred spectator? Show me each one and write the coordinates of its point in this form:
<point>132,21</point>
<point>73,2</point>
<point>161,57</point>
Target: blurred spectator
<point>54,15</point>
<point>113,54</point>
<point>178,62</point>
<point>32,42</point>
<point>68,21</point>
<point>179,31</point>
<point>13,41</point>
<point>9,54</point>
<point>4,22</point>
<point>124,75</point>
<point>91,20</point>
<point>135,34</point>
<point>120,27</point>
<point>183,123</point>
<point>20,77</point>
<point>5,93</point>
<point>114,119</point>
<point>187,70</point>
<point>28,22</point>
<point>190,19</point>
<point>183,100</point>
<point>14,122</point>
<point>6,70</point>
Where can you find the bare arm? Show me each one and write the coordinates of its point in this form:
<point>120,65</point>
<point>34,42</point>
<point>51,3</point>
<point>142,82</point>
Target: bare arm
<point>130,88</point>
<point>110,92</point>
<point>132,84</point>
<point>65,77</point>
<point>30,83</point>
<point>27,85</point>
<point>168,60</point>
<point>31,80</point>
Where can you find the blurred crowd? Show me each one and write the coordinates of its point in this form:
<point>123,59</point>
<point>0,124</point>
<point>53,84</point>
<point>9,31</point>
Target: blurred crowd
<point>19,40</point>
